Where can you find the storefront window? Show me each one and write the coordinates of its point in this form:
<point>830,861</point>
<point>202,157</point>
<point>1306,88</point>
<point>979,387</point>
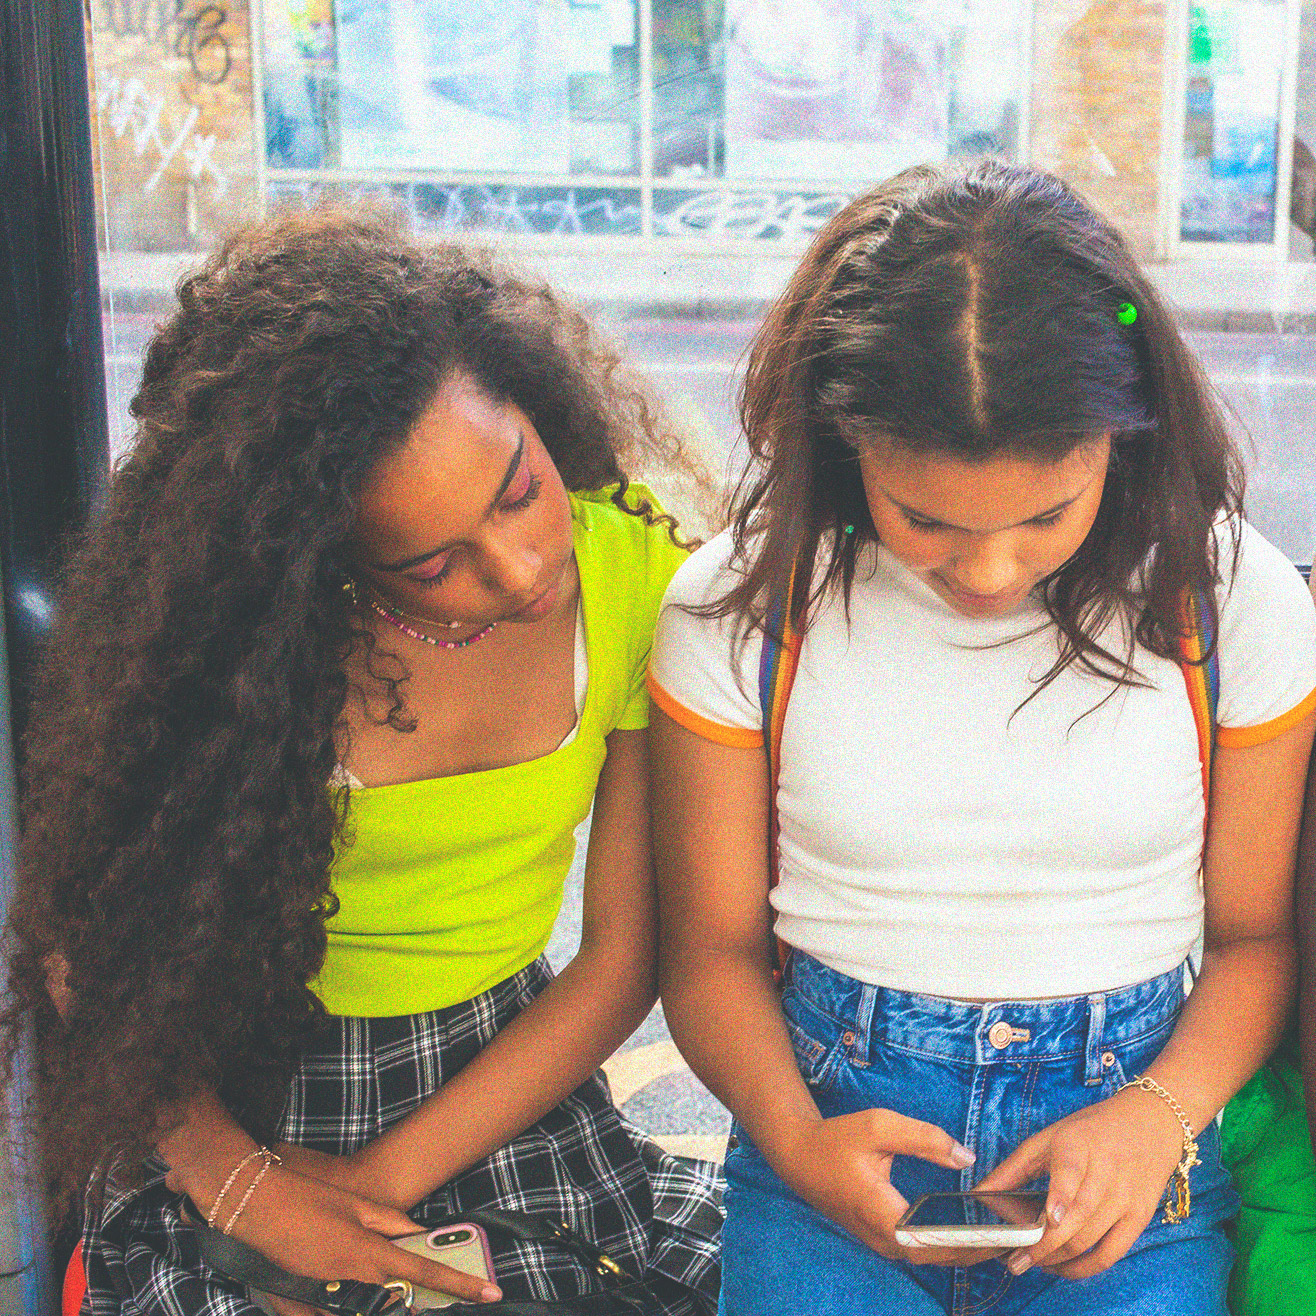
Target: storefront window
<point>1237,121</point>
<point>561,96</point>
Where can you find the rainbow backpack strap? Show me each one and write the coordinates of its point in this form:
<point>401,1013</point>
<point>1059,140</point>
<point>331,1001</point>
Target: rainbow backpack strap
<point>778,660</point>
<point>1200,662</point>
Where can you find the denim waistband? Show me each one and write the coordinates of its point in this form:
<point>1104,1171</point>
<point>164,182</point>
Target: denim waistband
<point>999,1032</point>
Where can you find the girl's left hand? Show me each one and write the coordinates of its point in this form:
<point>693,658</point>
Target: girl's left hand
<point>1108,1166</point>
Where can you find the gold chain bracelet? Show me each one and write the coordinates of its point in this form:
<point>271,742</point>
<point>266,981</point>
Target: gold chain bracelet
<point>1178,1195</point>
<point>267,1158</point>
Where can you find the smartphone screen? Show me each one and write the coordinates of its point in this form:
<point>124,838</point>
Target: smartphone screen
<point>1004,1210</point>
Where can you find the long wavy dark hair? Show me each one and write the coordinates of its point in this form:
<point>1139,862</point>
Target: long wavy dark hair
<point>177,825</point>
<point>973,313</point>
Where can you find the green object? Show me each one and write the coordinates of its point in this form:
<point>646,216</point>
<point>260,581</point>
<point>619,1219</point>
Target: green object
<point>1127,313</point>
<point>453,884</point>
<point>849,530</point>
<point>1266,1147</point>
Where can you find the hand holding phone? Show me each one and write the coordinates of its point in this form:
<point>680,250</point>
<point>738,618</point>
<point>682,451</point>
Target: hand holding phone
<point>463,1247</point>
<point>973,1219</point>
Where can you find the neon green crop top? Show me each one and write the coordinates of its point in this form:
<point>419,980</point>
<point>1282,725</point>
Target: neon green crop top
<point>453,884</point>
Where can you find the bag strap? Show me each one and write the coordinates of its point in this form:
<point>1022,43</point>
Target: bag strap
<point>778,660</point>
<point>1199,659</point>
<point>241,1262</point>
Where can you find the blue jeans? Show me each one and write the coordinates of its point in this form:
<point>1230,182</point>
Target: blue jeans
<point>859,1047</point>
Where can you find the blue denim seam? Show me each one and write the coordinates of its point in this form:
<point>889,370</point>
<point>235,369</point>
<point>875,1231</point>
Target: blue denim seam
<point>1092,1068</point>
<point>1002,1289</point>
<point>1030,1088</point>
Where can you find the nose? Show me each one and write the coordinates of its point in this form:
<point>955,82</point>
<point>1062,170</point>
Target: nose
<point>987,567</point>
<point>514,569</point>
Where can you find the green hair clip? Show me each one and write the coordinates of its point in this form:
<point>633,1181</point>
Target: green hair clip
<point>1126,313</point>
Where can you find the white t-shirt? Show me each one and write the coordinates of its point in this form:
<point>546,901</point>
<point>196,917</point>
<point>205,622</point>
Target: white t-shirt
<point>938,835</point>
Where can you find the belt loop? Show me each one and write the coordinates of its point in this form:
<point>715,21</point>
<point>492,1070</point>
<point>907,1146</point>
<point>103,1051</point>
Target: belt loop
<point>1092,1067</point>
<point>863,1023</point>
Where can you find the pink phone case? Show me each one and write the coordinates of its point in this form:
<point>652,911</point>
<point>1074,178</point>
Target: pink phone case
<point>469,1254</point>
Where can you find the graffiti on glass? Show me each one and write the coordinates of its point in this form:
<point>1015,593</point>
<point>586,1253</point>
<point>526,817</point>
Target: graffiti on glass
<point>451,207</point>
<point>726,213</point>
<point>130,109</point>
<point>179,29</point>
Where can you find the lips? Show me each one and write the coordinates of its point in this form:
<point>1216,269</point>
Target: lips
<point>971,602</point>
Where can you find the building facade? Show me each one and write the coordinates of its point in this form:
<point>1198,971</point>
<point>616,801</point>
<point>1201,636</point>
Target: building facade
<point>700,127</point>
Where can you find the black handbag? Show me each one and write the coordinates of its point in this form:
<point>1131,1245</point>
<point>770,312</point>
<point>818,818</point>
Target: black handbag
<point>620,1295</point>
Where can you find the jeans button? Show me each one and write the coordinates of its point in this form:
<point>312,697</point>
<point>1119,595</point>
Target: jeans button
<point>847,1038</point>
<point>1000,1034</point>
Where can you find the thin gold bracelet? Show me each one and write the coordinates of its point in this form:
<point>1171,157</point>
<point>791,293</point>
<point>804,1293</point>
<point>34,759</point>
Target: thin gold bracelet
<point>228,1183</point>
<point>1176,1211</point>
<point>268,1158</point>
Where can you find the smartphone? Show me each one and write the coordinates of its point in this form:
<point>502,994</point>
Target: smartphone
<point>973,1220</point>
<point>463,1247</point>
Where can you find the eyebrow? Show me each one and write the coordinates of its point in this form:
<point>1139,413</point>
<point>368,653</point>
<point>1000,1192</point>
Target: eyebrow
<point>508,476</point>
<point>1037,516</point>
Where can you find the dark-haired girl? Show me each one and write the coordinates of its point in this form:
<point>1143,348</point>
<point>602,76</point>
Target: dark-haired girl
<point>996,478</point>
<point>357,643</point>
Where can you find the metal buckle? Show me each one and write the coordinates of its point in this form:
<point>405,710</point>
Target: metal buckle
<point>607,1266</point>
<point>403,1287</point>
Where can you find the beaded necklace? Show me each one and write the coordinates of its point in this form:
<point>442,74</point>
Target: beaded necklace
<point>393,619</point>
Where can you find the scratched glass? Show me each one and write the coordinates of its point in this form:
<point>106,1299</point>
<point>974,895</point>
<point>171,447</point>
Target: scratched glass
<point>666,161</point>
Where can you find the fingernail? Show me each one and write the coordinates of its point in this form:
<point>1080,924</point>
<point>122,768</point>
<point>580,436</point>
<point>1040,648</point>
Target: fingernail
<point>490,1293</point>
<point>961,1156</point>
<point>1020,1263</point>
<point>1057,1213</point>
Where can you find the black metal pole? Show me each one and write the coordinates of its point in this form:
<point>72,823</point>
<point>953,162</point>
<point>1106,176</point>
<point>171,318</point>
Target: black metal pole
<point>54,454</point>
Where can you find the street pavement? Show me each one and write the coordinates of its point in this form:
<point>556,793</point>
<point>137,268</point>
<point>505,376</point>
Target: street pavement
<point>1268,382</point>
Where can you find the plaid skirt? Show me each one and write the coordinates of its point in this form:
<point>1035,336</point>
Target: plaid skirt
<point>658,1216</point>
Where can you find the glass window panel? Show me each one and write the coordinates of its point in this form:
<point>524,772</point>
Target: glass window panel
<point>488,86</point>
<point>1236,61</point>
<point>842,89</point>
<point>1302,209</point>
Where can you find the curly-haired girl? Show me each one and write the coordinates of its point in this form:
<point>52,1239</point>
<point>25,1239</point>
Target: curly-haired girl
<point>358,642</point>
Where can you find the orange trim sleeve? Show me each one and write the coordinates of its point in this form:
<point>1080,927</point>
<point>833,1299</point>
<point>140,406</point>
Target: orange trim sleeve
<point>1242,737</point>
<point>734,737</point>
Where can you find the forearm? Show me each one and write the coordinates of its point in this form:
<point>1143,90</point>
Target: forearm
<point>724,1014</point>
<point>203,1149</point>
<point>542,1056</point>
<point>1231,1023</point>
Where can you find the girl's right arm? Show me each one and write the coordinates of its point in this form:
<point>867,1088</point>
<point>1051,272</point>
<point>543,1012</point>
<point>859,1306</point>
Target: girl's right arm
<point>710,846</point>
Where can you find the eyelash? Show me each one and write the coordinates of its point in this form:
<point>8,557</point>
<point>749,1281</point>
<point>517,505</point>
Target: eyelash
<point>531,493</point>
<point>1041,522</point>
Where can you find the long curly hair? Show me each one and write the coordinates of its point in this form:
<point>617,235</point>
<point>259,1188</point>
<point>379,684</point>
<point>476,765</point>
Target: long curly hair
<point>177,822</point>
<point>974,312</point>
